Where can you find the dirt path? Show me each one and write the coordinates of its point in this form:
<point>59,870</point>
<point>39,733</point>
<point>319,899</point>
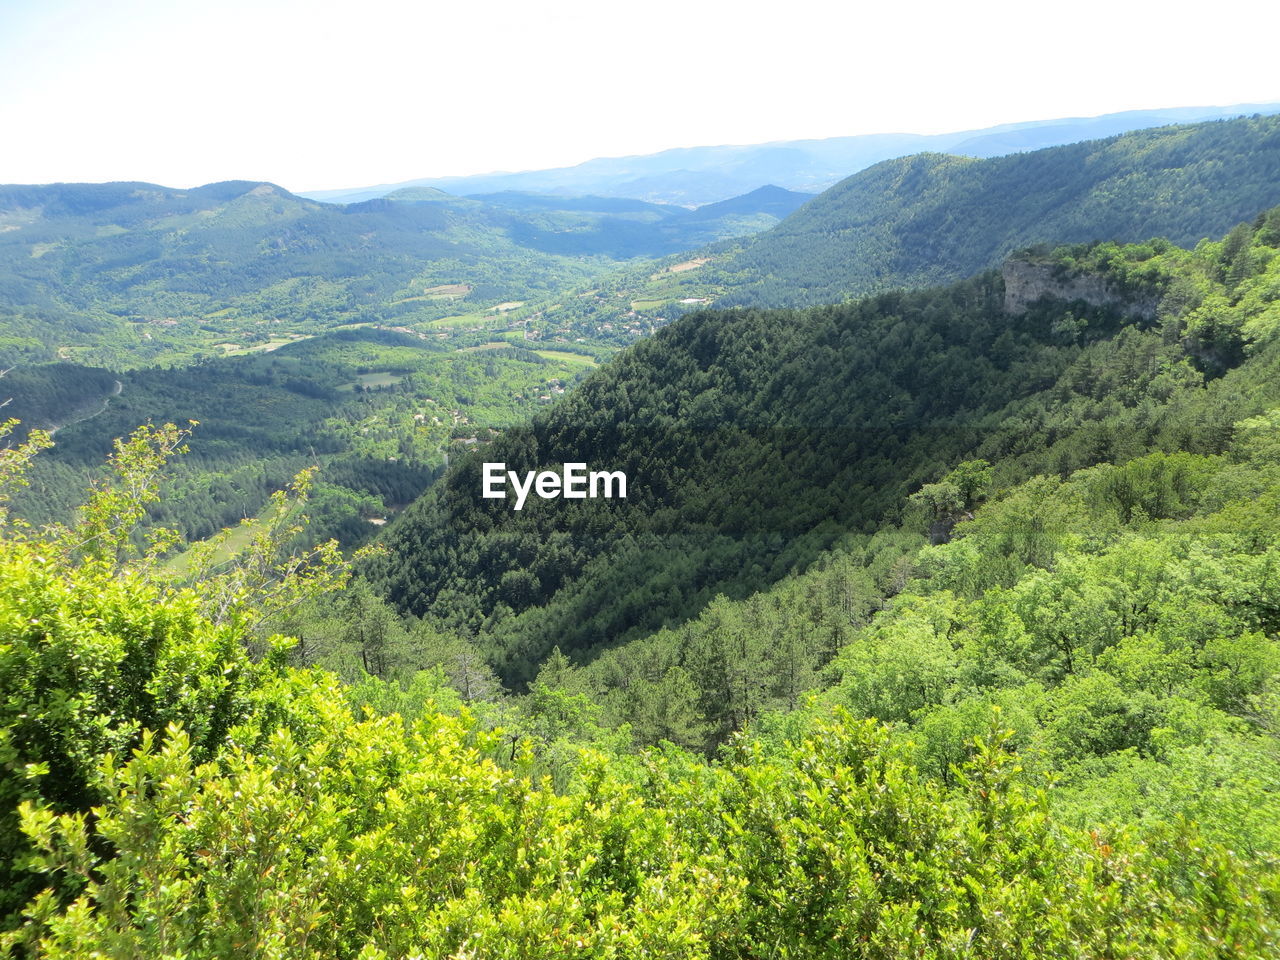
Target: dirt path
<point>106,402</point>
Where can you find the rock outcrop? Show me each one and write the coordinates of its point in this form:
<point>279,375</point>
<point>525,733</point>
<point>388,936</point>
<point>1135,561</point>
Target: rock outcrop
<point>1026,281</point>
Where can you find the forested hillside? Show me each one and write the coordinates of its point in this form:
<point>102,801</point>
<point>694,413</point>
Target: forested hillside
<point>754,439</point>
<point>932,218</point>
<point>367,340</point>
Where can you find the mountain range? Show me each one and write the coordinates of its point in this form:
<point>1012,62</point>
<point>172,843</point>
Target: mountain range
<point>698,175</point>
<point>933,218</point>
<point>144,272</point>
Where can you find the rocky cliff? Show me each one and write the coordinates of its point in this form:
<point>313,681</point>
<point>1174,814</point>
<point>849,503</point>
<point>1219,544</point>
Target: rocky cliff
<point>1026,281</point>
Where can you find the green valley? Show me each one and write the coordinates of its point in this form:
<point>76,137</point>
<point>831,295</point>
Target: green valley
<point>379,411</point>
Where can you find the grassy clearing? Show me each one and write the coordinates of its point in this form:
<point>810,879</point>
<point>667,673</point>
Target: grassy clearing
<point>573,359</point>
<point>236,542</point>
<point>447,290</point>
<point>380,379</point>
<point>275,343</point>
<point>683,267</point>
<point>466,320</point>
<point>492,345</point>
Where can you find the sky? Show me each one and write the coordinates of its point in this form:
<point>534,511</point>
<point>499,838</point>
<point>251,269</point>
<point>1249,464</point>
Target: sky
<point>323,94</point>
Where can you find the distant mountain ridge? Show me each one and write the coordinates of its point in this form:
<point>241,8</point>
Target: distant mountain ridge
<point>933,218</point>
<point>138,264</point>
<point>699,175</point>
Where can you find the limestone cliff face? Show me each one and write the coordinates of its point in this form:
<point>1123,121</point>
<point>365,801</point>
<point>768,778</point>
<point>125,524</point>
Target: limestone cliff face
<point>1027,281</point>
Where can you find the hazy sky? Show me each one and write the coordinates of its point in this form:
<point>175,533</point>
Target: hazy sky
<point>325,94</point>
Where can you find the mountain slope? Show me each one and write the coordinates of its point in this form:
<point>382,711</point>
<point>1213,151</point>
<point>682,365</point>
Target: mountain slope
<point>932,218</point>
<point>767,199</point>
<point>752,439</point>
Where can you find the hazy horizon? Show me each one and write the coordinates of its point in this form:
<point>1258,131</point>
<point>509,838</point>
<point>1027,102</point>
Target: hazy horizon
<point>307,96</point>
<point>502,171</point>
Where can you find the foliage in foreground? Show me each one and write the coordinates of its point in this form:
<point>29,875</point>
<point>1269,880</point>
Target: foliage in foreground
<point>166,794</point>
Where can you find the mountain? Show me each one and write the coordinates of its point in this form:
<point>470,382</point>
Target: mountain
<point>769,199</point>
<point>135,273</point>
<point>699,175</point>
<point>131,273</point>
<point>753,439</point>
<point>621,228</point>
<point>276,311</point>
<point>933,218</point>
